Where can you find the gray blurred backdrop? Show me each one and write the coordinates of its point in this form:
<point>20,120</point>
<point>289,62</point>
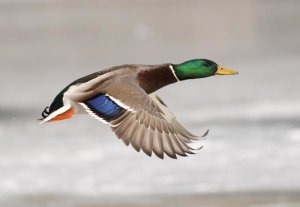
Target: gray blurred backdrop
<point>254,118</point>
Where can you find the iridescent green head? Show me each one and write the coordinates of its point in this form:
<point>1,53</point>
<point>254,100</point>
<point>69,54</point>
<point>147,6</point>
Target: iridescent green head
<point>199,68</point>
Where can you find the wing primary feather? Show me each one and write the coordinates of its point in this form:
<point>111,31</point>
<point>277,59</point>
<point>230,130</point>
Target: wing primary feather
<point>122,131</point>
<point>146,121</point>
<point>158,125</point>
<point>184,132</point>
<point>152,122</point>
<point>183,138</point>
<point>158,148</point>
<point>169,149</point>
<point>206,133</point>
<point>138,138</point>
<point>165,127</point>
<point>147,145</point>
<point>177,146</point>
<point>130,133</point>
<point>185,147</point>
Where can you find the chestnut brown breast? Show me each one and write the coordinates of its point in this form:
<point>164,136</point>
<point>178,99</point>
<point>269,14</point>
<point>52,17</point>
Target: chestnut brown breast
<point>156,77</point>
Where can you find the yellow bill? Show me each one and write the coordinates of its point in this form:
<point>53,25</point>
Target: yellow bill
<point>225,71</point>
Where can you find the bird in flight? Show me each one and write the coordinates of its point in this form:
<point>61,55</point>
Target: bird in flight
<point>124,98</point>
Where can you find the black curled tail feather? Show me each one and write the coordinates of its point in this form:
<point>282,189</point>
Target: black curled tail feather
<point>45,113</point>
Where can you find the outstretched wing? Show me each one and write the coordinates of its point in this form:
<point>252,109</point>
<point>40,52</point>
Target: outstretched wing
<point>141,120</point>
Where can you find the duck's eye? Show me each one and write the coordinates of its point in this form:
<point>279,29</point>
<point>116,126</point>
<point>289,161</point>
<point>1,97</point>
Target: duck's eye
<point>207,64</point>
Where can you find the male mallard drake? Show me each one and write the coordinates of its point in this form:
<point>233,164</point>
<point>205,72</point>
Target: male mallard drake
<point>123,97</point>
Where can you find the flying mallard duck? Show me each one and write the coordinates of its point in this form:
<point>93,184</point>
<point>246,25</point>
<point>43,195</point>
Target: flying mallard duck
<point>123,97</point>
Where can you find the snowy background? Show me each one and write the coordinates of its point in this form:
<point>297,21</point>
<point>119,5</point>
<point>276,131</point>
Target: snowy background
<point>254,118</point>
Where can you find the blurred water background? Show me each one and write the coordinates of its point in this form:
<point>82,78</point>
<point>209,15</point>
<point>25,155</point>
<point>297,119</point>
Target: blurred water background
<point>254,118</point>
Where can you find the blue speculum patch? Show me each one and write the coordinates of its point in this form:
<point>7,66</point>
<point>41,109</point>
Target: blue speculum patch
<point>103,106</point>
